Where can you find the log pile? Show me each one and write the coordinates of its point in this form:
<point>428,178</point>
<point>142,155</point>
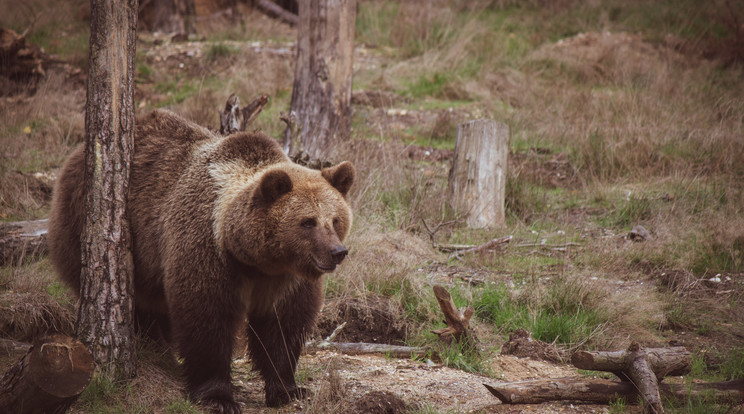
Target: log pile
<point>640,372</point>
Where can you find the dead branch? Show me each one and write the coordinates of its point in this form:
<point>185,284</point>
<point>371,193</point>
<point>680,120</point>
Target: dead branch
<point>274,10</point>
<point>469,248</point>
<point>251,111</point>
<point>232,119</point>
<point>458,321</point>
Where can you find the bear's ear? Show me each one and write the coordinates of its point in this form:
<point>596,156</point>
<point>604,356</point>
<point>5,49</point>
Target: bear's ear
<point>273,185</point>
<point>340,176</point>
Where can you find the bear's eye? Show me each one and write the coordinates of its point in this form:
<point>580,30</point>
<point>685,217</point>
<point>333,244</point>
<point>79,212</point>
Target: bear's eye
<point>335,222</point>
<point>308,223</point>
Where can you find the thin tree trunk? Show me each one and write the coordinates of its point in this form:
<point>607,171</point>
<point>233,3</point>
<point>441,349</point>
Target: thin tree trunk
<point>105,315</point>
<point>321,94</point>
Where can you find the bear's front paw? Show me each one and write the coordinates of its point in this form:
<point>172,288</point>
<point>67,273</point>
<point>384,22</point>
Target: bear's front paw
<point>277,397</point>
<point>221,405</point>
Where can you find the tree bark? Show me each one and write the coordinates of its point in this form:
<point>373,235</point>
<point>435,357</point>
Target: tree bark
<point>477,180</point>
<point>603,391</point>
<point>321,94</point>
<point>105,314</point>
<point>48,378</point>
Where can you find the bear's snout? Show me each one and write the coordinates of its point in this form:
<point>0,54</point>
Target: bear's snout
<point>338,254</point>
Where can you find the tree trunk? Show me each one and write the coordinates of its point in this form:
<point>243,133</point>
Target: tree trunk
<point>477,180</point>
<point>321,94</point>
<point>603,391</point>
<point>48,378</point>
<point>105,315</point>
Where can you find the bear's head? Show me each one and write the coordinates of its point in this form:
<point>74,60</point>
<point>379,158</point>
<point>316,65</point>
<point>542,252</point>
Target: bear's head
<point>292,220</point>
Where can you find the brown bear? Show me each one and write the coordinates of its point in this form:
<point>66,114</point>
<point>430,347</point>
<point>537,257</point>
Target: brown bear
<point>222,228</point>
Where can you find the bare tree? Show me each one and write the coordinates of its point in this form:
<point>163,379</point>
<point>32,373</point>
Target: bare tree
<point>321,94</point>
<point>105,315</point>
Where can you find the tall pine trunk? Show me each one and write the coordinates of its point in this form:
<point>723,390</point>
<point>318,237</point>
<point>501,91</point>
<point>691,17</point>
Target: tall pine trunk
<point>321,94</point>
<point>105,316</point>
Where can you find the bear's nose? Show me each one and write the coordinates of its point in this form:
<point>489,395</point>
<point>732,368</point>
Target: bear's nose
<point>339,253</point>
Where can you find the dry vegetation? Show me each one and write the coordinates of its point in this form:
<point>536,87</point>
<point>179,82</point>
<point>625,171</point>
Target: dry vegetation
<point>621,113</point>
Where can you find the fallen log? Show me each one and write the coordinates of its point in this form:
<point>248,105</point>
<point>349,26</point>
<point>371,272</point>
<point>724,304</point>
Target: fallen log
<point>21,240</point>
<point>643,367</point>
<point>604,391</point>
<point>361,348</point>
<point>662,361</point>
<point>48,378</point>
<point>469,248</point>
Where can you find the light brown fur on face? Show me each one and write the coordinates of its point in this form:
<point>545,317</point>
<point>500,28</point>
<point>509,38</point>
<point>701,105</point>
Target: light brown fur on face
<point>221,228</point>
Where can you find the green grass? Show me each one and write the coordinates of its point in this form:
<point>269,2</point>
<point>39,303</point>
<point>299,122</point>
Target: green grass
<point>220,51</point>
<point>561,316</point>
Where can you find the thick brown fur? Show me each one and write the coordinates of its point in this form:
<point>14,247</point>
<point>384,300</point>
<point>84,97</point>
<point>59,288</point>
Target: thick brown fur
<point>221,228</point>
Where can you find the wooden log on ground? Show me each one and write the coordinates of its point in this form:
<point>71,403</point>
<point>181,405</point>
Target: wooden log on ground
<point>361,348</point>
<point>48,378</point>
<point>604,391</point>
<point>477,179</point>
<point>662,361</point>
<point>643,367</point>
<point>21,240</point>
<point>458,321</point>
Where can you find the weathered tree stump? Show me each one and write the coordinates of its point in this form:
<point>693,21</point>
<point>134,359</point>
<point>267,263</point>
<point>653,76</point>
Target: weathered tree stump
<point>604,391</point>
<point>321,93</point>
<point>477,180</point>
<point>48,378</point>
<point>233,119</point>
<point>21,240</point>
<point>458,321</point>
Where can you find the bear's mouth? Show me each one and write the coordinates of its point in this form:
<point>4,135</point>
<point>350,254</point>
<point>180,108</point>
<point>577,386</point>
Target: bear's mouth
<point>323,267</point>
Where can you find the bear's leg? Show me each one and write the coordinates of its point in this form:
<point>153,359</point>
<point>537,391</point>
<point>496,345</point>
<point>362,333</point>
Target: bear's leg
<point>276,339</point>
<point>204,324</point>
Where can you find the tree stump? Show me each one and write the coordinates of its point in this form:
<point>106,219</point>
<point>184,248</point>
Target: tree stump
<point>48,378</point>
<point>321,94</point>
<point>477,180</point>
